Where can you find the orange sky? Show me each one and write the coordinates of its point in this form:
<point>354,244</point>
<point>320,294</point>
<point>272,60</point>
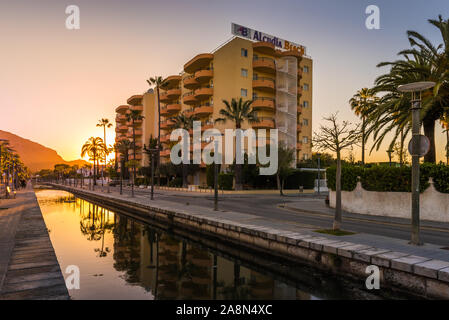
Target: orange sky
<point>56,84</point>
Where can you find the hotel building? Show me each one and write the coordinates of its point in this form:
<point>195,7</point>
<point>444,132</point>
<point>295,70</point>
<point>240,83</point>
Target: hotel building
<point>278,81</point>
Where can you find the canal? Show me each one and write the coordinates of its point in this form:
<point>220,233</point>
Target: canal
<point>121,257</point>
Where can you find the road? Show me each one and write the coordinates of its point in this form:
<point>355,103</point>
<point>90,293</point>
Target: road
<point>307,211</point>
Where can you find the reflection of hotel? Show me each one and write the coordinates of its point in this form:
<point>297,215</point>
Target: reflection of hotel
<point>278,81</point>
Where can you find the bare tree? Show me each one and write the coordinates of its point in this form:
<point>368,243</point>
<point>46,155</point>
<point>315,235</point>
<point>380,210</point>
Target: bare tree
<point>336,137</point>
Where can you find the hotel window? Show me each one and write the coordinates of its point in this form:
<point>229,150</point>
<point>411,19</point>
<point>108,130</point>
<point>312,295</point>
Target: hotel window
<point>244,73</point>
<point>244,52</point>
<point>305,104</point>
<point>254,95</point>
<point>305,140</point>
<point>306,156</point>
<point>305,69</point>
<point>306,87</point>
<point>243,92</point>
<point>255,76</point>
<point>305,122</point>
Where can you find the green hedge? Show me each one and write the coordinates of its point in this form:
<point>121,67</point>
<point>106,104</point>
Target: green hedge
<point>390,179</point>
<point>225,181</point>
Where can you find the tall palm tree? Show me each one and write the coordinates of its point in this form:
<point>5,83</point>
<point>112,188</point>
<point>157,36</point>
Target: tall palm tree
<point>133,116</point>
<point>182,121</point>
<point>95,148</point>
<point>123,147</point>
<point>238,112</point>
<point>103,122</point>
<point>422,62</point>
<point>362,103</point>
<point>159,83</point>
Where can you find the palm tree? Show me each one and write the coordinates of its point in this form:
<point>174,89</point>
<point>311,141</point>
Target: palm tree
<point>362,103</point>
<point>422,62</point>
<point>238,112</point>
<point>123,147</point>
<point>159,83</point>
<point>103,122</point>
<point>182,121</point>
<point>286,158</point>
<point>5,150</point>
<point>133,116</point>
<point>95,148</point>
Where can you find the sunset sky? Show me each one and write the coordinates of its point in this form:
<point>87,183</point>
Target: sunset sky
<point>55,83</point>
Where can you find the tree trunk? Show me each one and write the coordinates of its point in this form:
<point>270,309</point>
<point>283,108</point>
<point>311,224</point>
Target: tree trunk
<point>337,219</point>
<point>95,179</point>
<point>158,137</point>
<point>238,177</point>
<point>429,131</point>
<point>401,152</point>
<point>363,140</point>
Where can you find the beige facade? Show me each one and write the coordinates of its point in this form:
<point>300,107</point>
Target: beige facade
<point>240,68</point>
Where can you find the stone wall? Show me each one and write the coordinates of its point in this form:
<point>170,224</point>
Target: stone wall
<point>434,205</point>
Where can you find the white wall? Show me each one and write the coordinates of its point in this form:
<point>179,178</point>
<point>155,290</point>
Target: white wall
<point>434,206</point>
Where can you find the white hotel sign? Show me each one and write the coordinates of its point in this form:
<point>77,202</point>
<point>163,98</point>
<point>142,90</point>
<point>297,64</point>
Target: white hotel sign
<point>255,35</point>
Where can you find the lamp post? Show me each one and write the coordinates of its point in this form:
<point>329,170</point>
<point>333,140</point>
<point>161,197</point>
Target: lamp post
<point>390,151</point>
<point>415,89</point>
<point>216,176</point>
<point>152,153</point>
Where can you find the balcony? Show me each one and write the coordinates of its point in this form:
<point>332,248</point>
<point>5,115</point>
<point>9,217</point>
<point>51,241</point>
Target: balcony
<point>165,139</point>
<point>137,123</point>
<point>173,108</point>
<point>138,157</point>
<point>135,100</point>
<point>299,73</point>
<point>264,103</point>
<point>264,84</point>
<point>120,118</point>
<point>264,123</point>
<point>167,124</point>
<point>299,127</point>
<point>136,108</point>
<point>164,97</point>
<point>265,65</point>
<point>298,145</point>
<point>198,62</point>
<point>292,53</point>
<point>299,110</point>
<point>264,47</point>
<point>203,76</point>
<point>138,133</point>
<point>122,109</point>
<point>123,129</point>
<point>203,111</point>
<point>190,82</point>
<point>173,93</point>
<point>300,91</point>
<point>164,111</point>
<point>189,98</point>
<point>203,93</point>
<point>172,82</point>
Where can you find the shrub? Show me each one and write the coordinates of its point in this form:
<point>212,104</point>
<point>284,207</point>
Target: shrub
<point>390,179</point>
<point>176,182</point>
<point>225,181</point>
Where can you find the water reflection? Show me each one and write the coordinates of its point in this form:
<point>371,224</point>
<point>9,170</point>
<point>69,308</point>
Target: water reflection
<point>121,258</point>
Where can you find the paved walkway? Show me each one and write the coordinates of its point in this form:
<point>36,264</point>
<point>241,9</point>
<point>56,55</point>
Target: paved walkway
<point>429,251</point>
<point>29,268</point>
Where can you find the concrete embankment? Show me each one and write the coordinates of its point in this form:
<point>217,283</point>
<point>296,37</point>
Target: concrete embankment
<point>29,268</point>
<point>419,274</point>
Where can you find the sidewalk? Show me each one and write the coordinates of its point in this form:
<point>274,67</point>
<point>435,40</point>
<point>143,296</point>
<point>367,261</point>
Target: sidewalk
<point>28,265</point>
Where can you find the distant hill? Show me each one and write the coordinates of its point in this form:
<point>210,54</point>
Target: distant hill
<point>35,156</point>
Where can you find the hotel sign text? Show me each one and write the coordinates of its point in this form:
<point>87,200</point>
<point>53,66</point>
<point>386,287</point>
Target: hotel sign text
<point>255,35</point>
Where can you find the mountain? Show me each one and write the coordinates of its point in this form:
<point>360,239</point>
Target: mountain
<point>34,155</point>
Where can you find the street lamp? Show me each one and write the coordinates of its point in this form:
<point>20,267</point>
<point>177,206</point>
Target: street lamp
<point>152,159</point>
<point>390,152</point>
<point>415,89</point>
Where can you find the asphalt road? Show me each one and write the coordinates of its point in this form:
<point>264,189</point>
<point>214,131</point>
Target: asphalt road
<point>270,206</point>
